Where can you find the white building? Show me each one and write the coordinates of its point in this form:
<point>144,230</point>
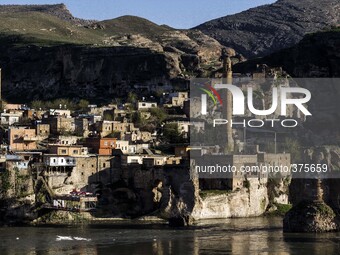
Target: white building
<point>55,160</point>
<point>10,118</point>
<point>123,146</point>
<point>146,105</point>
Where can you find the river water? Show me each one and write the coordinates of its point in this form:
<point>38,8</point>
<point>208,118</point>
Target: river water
<point>232,236</point>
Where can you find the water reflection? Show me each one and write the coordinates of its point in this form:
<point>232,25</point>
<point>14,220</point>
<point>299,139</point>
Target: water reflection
<point>233,236</point>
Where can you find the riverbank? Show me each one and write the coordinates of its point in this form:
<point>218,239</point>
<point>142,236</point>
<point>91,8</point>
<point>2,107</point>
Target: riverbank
<point>240,236</point>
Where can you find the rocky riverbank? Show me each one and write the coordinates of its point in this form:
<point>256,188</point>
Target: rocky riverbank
<point>311,216</point>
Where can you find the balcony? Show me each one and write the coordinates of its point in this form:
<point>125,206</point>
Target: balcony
<point>60,161</point>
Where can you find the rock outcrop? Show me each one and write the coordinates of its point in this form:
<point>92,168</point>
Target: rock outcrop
<point>310,216</point>
<point>316,55</point>
<point>182,203</point>
<point>243,203</point>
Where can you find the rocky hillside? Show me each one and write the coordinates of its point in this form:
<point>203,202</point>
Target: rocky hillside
<point>317,55</point>
<point>58,10</point>
<point>45,53</point>
<point>266,29</point>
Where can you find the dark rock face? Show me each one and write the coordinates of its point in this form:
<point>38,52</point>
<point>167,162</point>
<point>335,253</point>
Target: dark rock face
<point>309,216</point>
<point>317,55</point>
<point>80,72</point>
<point>265,29</point>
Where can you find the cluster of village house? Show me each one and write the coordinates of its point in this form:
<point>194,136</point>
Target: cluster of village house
<point>76,150</point>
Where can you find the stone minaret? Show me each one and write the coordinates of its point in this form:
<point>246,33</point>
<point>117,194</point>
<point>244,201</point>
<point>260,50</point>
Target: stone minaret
<point>0,86</point>
<point>228,78</point>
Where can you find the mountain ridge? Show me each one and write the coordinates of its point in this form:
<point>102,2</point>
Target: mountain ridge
<point>265,29</point>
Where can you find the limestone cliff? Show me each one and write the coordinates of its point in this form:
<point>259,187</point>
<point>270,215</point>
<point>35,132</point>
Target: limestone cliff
<point>243,203</point>
<point>46,53</point>
<point>183,201</point>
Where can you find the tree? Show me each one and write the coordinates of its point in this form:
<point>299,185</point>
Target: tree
<point>83,105</point>
<point>159,115</point>
<point>38,104</point>
<point>132,98</point>
<point>172,134</point>
<point>108,116</point>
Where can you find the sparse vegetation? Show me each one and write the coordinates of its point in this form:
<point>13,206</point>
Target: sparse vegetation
<point>171,133</point>
<point>6,184</point>
<point>208,193</point>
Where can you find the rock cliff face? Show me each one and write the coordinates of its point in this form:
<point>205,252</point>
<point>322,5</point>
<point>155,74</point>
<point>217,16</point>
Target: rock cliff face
<point>244,203</point>
<point>47,53</point>
<point>181,199</point>
<point>80,72</point>
<point>265,29</point>
<point>316,56</point>
<point>100,73</point>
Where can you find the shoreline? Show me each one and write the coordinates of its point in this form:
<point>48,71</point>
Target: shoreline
<point>127,222</point>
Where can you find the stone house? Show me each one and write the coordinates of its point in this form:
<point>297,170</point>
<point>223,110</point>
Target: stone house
<point>101,146</point>
<point>22,138</point>
<point>178,98</point>
<point>10,118</point>
<point>82,126</point>
<point>67,150</point>
<point>146,105</point>
<point>42,129</point>
<point>60,124</point>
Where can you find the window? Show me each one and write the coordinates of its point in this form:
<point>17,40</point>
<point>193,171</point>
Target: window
<point>63,151</point>
<point>104,165</point>
<point>62,160</point>
<point>105,143</point>
<point>75,152</point>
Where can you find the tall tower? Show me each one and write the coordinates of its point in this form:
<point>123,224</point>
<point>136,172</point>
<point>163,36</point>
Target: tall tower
<point>228,78</point>
<point>0,86</point>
